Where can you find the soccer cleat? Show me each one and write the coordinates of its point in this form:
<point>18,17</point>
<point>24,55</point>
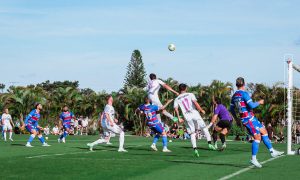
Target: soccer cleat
<point>46,145</point>
<point>153,146</point>
<point>211,147</point>
<point>196,153</point>
<point>223,147</point>
<point>11,139</point>
<point>276,153</point>
<point>166,150</point>
<point>255,163</point>
<point>216,145</point>
<point>175,119</point>
<point>91,146</point>
<point>58,140</point>
<point>63,140</point>
<point>28,145</point>
<point>122,150</point>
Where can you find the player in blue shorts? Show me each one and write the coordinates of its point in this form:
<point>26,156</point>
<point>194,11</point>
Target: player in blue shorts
<point>245,105</point>
<point>153,122</point>
<point>32,126</point>
<point>66,117</point>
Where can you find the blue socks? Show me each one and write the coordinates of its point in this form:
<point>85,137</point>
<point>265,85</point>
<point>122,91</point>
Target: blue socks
<point>31,137</point>
<point>255,147</point>
<point>156,138</point>
<point>42,140</point>
<point>165,141</point>
<point>267,141</point>
<point>64,135</point>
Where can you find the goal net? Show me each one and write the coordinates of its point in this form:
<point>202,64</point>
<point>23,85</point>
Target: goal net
<point>293,107</point>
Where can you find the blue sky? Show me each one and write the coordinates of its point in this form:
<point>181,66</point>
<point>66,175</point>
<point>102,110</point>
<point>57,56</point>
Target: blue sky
<point>92,41</point>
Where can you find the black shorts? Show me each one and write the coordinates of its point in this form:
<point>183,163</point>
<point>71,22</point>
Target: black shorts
<point>224,124</point>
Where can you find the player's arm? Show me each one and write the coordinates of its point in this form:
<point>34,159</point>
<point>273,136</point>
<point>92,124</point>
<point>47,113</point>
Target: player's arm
<point>213,120</point>
<point>178,115</point>
<point>165,106</point>
<point>111,122</point>
<point>250,102</point>
<point>198,107</point>
<point>167,87</point>
<point>11,122</point>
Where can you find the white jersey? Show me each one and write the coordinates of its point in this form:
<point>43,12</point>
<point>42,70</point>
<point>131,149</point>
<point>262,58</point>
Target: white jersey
<point>6,118</point>
<point>154,86</point>
<point>110,110</point>
<point>185,102</point>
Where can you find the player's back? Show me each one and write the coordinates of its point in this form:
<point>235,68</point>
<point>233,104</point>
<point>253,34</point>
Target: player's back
<point>185,102</point>
<point>240,99</point>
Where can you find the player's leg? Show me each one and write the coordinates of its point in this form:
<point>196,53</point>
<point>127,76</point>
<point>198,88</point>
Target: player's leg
<point>160,130</point>
<point>118,130</point>
<point>215,135</point>
<point>155,139</point>
<point>191,130</point>
<point>41,138</point>
<point>10,133</point>
<point>222,135</point>
<point>4,131</point>
<point>156,101</point>
<point>65,133</point>
<point>201,124</point>
<point>33,133</point>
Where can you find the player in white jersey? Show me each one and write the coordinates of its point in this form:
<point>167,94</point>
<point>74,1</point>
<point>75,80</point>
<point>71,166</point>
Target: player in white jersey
<point>7,124</point>
<point>193,121</point>
<point>110,125</point>
<point>153,88</point>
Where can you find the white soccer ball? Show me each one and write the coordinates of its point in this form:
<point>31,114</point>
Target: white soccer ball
<point>171,47</point>
<point>46,138</point>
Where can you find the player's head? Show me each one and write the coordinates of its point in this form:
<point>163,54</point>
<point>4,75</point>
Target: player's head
<point>65,108</point>
<point>146,100</point>
<point>38,106</point>
<point>217,100</point>
<point>182,87</point>
<point>240,82</point>
<point>109,99</point>
<point>152,76</point>
<point>5,110</point>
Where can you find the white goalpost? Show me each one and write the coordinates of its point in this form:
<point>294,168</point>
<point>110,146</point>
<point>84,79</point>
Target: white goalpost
<point>292,118</point>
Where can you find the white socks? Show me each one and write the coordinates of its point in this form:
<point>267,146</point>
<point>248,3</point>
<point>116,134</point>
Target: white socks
<point>206,133</point>
<point>121,140</point>
<point>10,135</point>
<point>4,135</point>
<point>168,114</point>
<point>99,141</point>
<point>193,140</point>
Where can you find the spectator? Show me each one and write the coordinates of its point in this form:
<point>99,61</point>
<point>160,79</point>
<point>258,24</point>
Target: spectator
<point>47,130</point>
<point>55,130</point>
<point>180,133</point>
<point>80,124</point>
<point>76,127</point>
<point>85,123</point>
<point>186,135</point>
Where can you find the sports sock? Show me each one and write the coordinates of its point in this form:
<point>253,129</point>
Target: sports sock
<point>4,136</point>
<point>193,140</point>
<point>166,113</point>
<point>41,138</point>
<point>121,140</point>
<point>165,141</point>
<point>31,137</point>
<point>10,135</point>
<point>215,136</point>
<point>65,134</point>
<point>267,141</point>
<point>255,147</point>
<point>207,135</point>
<point>222,137</point>
<point>99,141</point>
<point>156,138</point>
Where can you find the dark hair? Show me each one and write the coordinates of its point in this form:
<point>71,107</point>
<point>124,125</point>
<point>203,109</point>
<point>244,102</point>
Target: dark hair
<point>65,106</point>
<point>108,96</point>
<point>152,76</point>
<point>36,105</point>
<point>146,98</point>
<point>182,87</point>
<point>240,82</point>
<point>218,100</point>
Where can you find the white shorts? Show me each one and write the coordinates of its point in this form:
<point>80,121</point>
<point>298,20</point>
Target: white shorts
<point>114,129</point>
<point>155,100</point>
<point>194,122</point>
<point>7,127</point>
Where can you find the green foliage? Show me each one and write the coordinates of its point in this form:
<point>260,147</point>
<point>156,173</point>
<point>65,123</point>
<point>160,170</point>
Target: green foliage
<point>135,76</point>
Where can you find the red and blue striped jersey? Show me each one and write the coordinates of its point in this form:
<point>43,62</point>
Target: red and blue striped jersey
<point>32,118</point>
<point>66,117</point>
<point>150,112</point>
<point>243,102</point>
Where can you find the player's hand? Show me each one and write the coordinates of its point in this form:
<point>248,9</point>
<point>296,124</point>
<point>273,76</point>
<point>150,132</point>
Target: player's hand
<point>202,111</point>
<point>116,121</point>
<point>177,94</point>
<point>261,101</point>
<point>111,124</point>
<point>181,120</point>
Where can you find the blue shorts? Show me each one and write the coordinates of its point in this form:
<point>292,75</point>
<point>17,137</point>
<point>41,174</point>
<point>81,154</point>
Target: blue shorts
<point>67,126</point>
<point>29,128</point>
<point>157,128</point>
<point>253,126</point>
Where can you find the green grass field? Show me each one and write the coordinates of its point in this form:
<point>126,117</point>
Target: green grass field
<point>73,160</point>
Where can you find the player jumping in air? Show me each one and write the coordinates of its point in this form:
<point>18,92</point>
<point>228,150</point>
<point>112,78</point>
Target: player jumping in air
<point>110,125</point>
<point>243,102</point>
<point>154,124</point>
<point>66,117</point>
<point>224,124</point>
<point>190,110</point>
<point>7,124</point>
<point>32,126</point>
<point>153,88</point>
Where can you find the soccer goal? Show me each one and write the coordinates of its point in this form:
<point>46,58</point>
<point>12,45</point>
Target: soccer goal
<point>293,108</point>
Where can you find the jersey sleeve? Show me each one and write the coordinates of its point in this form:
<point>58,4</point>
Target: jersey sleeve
<point>249,101</point>
<point>28,117</point>
<point>61,117</point>
<point>217,111</point>
<point>141,107</point>
<point>176,103</point>
<point>155,108</point>
<point>161,82</point>
<point>193,97</point>
<point>106,109</point>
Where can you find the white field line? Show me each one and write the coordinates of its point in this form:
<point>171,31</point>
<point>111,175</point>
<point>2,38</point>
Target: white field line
<point>49,155</point>
<point>247,169</point>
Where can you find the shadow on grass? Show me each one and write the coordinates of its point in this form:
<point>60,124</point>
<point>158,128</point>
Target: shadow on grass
<point>18,145</point>
<point>207,163</point>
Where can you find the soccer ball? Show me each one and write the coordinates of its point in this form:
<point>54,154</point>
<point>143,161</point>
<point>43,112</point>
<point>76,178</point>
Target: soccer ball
<point>46,138</point>
<point>171,47</point>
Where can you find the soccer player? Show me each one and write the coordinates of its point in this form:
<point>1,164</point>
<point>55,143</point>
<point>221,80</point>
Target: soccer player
<point>7,124</point>
<point>224,124</point>
<point>66,117</point>
<point>32,126</point>
<point>245,105</point>
<point>190,110</point>
<point>154,124</point>
<point>153,88</point>
<point>110,125</point>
